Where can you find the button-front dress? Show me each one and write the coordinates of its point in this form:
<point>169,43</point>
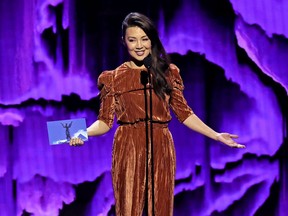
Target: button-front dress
<point>122,94</point>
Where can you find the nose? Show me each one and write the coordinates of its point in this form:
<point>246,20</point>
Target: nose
<point>139,44</point>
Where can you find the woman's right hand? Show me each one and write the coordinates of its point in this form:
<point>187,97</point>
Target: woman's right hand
<point>75,141</point>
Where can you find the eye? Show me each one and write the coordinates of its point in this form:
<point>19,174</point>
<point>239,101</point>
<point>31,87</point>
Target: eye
<point>131,40</point>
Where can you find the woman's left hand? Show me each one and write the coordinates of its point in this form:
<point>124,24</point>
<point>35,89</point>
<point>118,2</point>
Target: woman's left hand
<point>75,141</point>
<point>227,139</point>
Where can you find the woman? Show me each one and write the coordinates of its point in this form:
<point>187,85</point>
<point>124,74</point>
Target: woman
<point>123,94</point>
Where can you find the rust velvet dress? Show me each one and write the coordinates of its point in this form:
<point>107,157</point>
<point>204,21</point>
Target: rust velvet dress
<point>122,94</point>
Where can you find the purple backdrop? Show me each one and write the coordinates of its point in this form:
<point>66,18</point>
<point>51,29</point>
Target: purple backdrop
<point>233,59</point>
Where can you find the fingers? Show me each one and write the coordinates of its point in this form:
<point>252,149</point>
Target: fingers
<point>236,145</point>
<point>240,146</point>
<point>233,135</point>
<point>227,139</point>
<point>75,141</point>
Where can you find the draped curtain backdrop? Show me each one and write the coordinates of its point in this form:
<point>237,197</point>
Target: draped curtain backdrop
<point>233,58</point>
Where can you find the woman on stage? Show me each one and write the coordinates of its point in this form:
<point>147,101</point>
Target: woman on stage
<point>143,175</point>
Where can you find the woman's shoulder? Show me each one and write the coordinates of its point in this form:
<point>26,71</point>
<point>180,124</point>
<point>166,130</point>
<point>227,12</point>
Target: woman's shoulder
<point>105,77</point>
<point>108,74</point>
<point>174,70</point>
<point>173,67</point>
<point>109,77</point>
<point>175,77</point>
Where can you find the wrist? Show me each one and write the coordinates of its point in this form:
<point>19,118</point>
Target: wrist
<point>217,135</point>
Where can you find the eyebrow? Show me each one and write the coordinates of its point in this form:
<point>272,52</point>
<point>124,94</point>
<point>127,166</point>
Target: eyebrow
<point>136,37</point>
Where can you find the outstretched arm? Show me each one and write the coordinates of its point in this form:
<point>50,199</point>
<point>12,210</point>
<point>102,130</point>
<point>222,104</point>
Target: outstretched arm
<point>196,124</point>
<point>96,129</point>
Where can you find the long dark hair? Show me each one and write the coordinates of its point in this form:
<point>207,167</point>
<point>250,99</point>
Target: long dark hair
<point>160,60</point>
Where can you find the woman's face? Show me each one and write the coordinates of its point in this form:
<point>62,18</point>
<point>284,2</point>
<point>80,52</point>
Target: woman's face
<point>137,42</point>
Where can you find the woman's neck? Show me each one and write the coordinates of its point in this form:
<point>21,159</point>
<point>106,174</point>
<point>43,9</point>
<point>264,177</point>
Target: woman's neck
<point>136,65</point>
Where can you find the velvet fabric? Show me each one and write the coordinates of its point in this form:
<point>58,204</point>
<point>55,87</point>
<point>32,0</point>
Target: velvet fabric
<point>123,94</point>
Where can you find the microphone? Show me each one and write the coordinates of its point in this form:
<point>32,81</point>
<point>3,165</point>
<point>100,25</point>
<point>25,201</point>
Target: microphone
<point>147,61</point>
<point>144,78</point>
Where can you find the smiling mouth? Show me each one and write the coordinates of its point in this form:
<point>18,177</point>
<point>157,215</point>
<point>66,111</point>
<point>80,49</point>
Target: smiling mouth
<point>140,53</point>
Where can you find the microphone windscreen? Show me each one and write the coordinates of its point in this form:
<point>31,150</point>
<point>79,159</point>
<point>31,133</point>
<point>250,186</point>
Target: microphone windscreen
<point>147,61</point>
<point>144,77</point>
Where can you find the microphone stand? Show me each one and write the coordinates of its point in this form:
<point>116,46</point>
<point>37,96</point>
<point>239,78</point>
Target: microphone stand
<point>151,143</point>
<point>144,80</point>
